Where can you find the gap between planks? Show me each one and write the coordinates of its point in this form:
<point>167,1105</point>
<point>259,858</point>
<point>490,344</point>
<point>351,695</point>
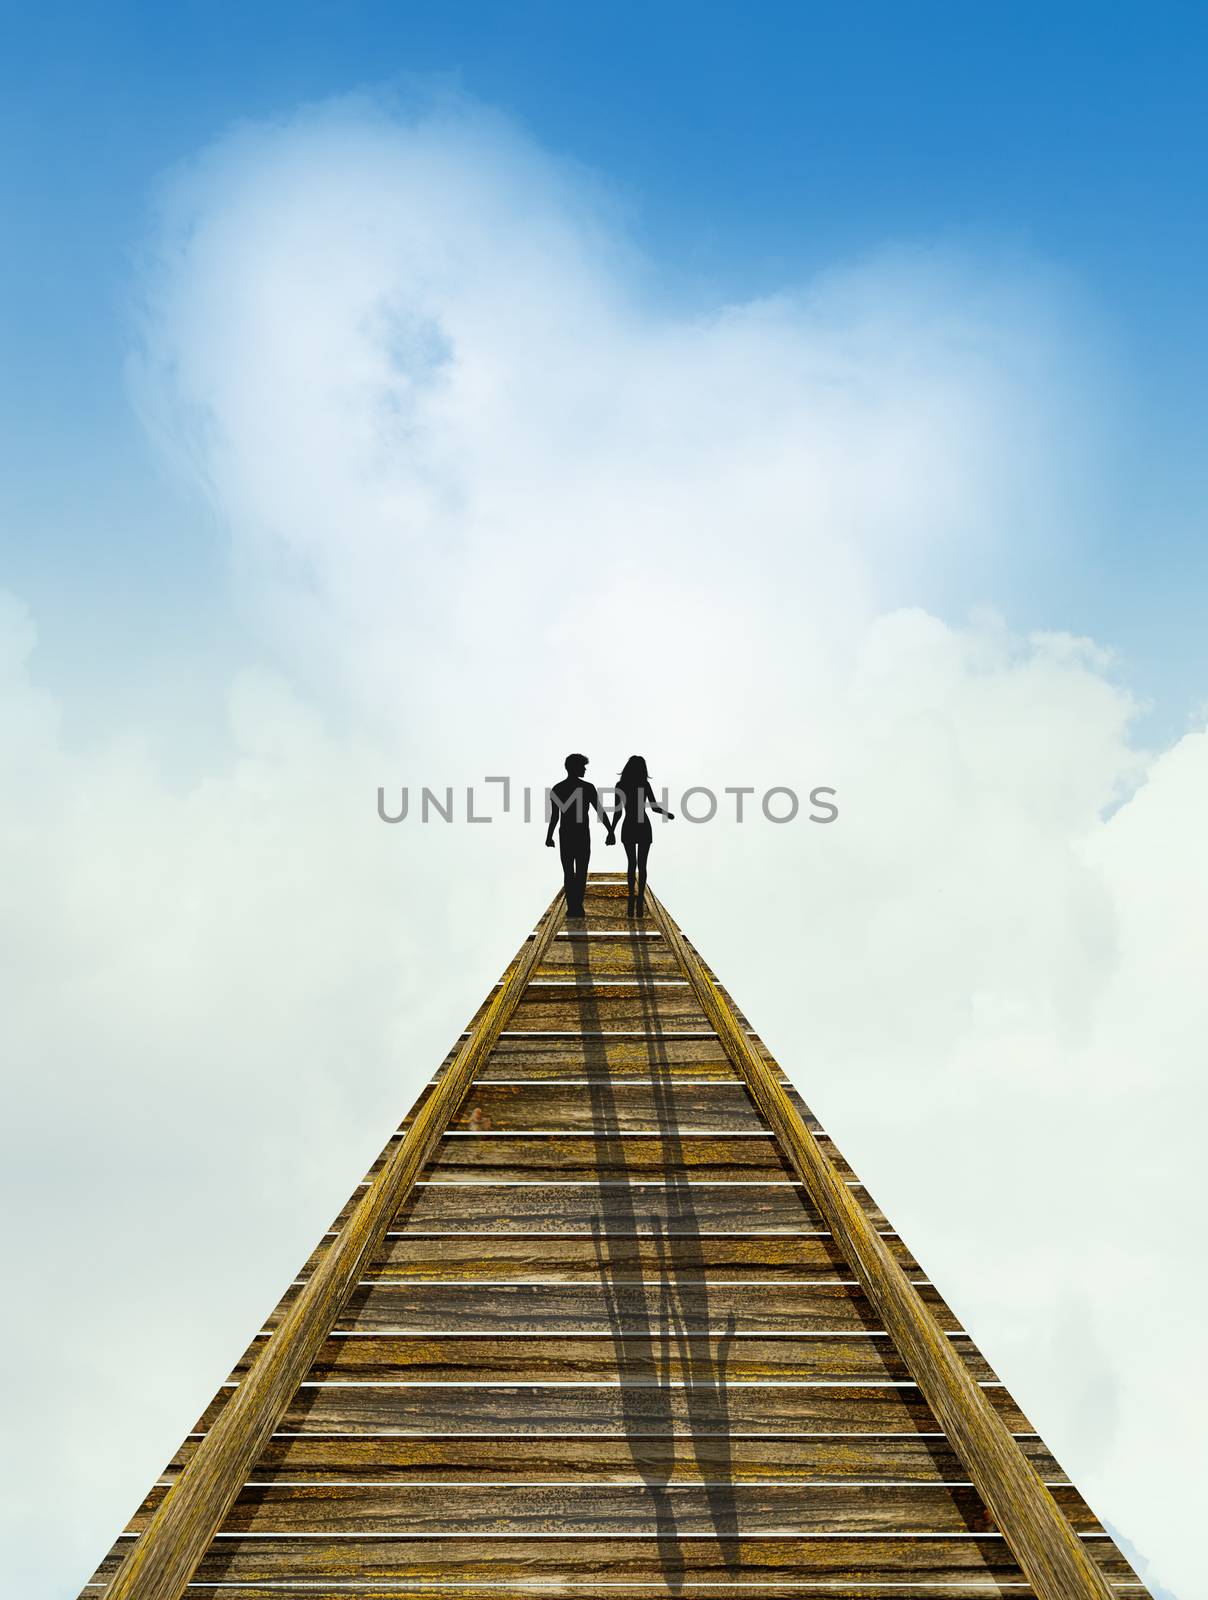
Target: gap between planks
<point>651,1433</point>
<point>616,1383</point>
<point>675,1184</point>
<point>563,1283</point>
<point>702,1233</point>
<point>517,1538</point>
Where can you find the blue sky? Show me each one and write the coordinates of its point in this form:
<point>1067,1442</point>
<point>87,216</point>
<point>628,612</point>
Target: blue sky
<point>744,154</point>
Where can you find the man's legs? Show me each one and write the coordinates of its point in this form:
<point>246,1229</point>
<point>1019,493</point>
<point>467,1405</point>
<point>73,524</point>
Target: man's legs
<point>575,847</point>
<point>582,857</point>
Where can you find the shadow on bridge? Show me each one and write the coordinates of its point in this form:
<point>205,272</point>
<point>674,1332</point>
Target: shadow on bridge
<point>654,1277</point>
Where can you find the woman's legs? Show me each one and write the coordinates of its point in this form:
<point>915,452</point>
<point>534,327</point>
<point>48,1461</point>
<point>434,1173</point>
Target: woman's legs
<point>643,850</point>
<point>631,856</point>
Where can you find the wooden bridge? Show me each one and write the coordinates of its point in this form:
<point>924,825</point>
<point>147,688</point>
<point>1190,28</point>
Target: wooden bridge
<point>612,1313</point>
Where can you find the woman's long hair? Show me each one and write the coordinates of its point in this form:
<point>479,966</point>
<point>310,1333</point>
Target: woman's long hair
<point>633,781</point>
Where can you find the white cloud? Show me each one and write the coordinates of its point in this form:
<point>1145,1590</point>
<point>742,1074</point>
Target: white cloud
<point>439,406</point>
<point>490,500</point>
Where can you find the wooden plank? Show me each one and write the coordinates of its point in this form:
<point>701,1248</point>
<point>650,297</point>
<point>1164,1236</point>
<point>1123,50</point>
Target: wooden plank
<point>677,1208</point>
<point>611,1107</point>
<point>163,1561</point>
<point>595,991</point>
<point>600,920</point>
<point>764,1589</point>
<point>686,1258</point>
<point>519,1056</point>
<point>671,1458</point>
<point>607,887</point>
<point>1051,1555</point>
<point>605,1307</point>
<point>850,1559</point>
<point>489,1358</point>
<point>629,1511</point>
<point>767,1589</point>
<point>653,1010</point>
<point>710,1406</point>
<point>528,1159</point>
<point>619,957</point>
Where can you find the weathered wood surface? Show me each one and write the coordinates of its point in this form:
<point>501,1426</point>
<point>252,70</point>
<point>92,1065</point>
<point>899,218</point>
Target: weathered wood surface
<point>800,1558</point>
<point>524,1589</point>
<point>610,1340</point>
<point>465,1358</point>
<point>617,957</point>
<point>603,1306</point>
<point>612,1057</point>
<point>686,1258</point>
<point>537,1159</point>
<point>655,1010</point>
<point>609,921</point>
<point>598,1458</point>
<point>1049,1552</point>
<point>617,1510</point>
<point>587,990</point>
<point>605,1108</point>
<point>710,1405</point>
<point>608,886</point>
<point>164,1559</point>
<point>670,1208</point>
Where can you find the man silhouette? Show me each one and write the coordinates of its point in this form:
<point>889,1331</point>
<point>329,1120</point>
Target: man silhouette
<point>571,800</point>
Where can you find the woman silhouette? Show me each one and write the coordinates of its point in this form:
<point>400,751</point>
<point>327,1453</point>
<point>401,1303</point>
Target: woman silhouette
<point>636,799</point>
